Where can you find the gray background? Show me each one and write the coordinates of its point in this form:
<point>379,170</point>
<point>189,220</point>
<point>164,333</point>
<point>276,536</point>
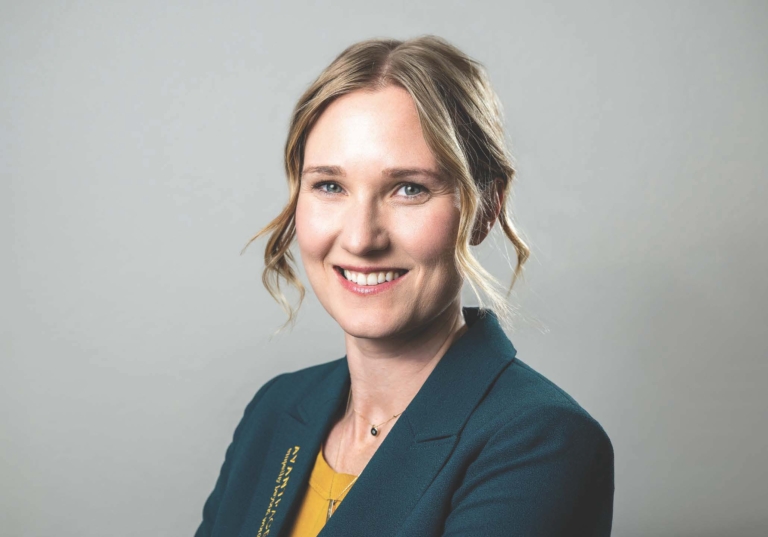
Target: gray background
<point>141,147</point>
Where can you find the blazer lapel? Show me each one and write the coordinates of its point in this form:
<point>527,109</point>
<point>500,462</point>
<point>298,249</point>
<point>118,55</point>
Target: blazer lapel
<point>423,438</point>
<point>291,455</point>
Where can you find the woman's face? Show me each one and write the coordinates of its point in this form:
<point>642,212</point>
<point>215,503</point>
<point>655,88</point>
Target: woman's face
<point>375,222</point>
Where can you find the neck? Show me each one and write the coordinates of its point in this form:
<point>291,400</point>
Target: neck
<point>386,375</point>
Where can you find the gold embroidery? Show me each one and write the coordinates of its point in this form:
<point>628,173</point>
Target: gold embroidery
<point>277,494</point>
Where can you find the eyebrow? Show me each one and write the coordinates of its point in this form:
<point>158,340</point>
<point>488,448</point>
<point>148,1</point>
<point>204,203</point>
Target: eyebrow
<point>394,173</point>
<point>400,173</point>
<point>335,171</point>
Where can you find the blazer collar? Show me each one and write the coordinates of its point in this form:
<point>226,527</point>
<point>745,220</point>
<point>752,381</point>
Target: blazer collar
<point>418,443</point>
<point>461,378</point>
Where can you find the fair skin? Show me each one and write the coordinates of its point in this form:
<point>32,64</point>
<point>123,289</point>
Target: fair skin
<point>373,202</point>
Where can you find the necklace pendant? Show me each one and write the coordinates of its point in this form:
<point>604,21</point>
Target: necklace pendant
<point>374,431</point>
<point>330,510</point>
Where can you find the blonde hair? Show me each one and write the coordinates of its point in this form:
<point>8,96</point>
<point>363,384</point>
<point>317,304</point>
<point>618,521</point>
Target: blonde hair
<point>460,117</point>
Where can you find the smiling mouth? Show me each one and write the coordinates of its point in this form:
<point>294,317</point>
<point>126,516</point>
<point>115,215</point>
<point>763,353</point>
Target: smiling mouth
<point>370,278</point>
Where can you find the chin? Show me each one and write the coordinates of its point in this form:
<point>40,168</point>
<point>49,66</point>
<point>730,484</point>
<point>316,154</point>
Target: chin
<point>369,325</point>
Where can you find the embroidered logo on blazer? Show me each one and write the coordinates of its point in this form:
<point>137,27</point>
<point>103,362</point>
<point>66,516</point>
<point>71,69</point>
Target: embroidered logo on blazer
<point>277,494</point>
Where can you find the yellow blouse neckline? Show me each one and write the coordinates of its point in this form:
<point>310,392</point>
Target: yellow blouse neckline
<point>323,477</point>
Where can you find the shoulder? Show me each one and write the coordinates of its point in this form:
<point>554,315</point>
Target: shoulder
<point>296,383</point>
<point>286,388</point>
<point>530,390</point>
<point>527,434</point>
<point>524,402</point>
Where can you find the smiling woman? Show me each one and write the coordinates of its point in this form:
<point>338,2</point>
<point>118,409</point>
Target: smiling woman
<point>429,425</point>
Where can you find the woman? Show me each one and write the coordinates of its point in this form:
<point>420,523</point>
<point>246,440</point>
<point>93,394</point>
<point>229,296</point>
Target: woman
<point>429,425</point>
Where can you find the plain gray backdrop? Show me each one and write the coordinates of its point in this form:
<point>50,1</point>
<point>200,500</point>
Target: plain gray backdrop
<point>141,146</point>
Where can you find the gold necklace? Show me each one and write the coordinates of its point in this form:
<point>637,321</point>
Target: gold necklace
<point>374,431</point>
<point>331,501</point>
<point>375,428</point>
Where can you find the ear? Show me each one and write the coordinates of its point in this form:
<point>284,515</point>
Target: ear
<point>487,218</point>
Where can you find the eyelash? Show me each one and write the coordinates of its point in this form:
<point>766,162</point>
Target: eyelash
<point>319,187</point>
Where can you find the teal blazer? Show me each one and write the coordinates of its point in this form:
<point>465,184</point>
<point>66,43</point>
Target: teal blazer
<point>488,447</point>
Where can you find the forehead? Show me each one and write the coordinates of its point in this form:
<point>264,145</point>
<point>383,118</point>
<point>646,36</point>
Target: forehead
<point>369,129</point>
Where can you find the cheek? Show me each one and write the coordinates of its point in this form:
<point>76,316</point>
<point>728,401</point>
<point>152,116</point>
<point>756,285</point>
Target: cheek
<point>314,230</point>
<point>434,243</point>
<point>317,226</point>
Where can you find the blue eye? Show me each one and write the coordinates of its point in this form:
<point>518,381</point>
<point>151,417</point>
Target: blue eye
<point>412,190</point>
<point>328,188</point>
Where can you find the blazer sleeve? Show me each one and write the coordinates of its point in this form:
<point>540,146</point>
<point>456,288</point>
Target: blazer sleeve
<point>211,507</point>
<point>547,473</point>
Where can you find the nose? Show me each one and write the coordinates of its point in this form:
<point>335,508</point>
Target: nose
<point>364,232</point>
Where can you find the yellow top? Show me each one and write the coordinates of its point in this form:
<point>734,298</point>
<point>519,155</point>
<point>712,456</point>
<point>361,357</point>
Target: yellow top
<point>313,511</point>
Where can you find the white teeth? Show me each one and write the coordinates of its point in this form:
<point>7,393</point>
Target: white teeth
<point>373,278</point>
